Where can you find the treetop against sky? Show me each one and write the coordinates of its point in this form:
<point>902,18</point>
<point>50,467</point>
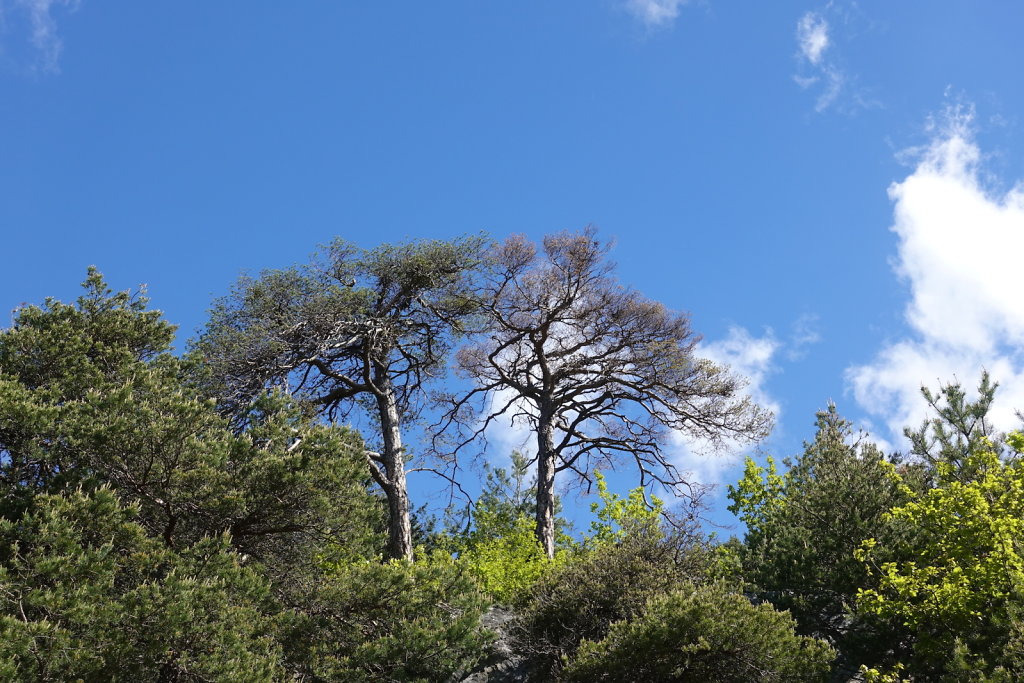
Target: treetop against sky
<point>829,189</point>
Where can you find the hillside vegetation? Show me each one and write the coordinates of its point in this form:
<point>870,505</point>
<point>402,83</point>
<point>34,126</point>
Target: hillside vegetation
<point>216,515</point>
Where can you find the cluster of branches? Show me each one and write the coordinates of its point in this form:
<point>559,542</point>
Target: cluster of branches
<point>597,371</point>
<point>549,337</point>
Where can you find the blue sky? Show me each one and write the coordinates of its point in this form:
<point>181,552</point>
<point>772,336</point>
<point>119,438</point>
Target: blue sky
<point>829,188</point>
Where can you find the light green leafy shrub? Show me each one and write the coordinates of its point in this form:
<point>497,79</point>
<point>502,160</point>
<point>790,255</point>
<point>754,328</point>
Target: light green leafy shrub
<point>962,591</point>
<point>618,517</point>
<point>501,551</point>
<point>506,562</point>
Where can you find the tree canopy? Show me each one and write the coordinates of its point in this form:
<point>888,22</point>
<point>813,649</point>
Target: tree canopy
<point>354,329</point>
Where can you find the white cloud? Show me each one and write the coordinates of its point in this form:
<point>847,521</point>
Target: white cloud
<point>655,12</point>
<point>960,243</point>
<point>868,432</point>
<point>748,356</point>
<point>806,82</point>
<point>506,434</point>
<point>812,36</point>
<point>33,22</point>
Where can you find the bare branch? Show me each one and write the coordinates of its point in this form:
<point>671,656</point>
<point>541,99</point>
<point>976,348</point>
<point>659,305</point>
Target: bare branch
<point>598,371</point>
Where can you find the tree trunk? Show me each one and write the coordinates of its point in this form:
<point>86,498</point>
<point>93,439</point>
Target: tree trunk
<point>546,487</point>
<point>399,527</point>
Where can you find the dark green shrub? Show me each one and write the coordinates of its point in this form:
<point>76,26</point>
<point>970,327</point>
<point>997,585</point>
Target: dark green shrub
<point>704,634</point>
<point>85,594</point>
<point>393,621</point>
<point>581,599</point>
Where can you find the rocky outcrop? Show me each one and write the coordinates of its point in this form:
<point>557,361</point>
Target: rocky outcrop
<point>504,664</point>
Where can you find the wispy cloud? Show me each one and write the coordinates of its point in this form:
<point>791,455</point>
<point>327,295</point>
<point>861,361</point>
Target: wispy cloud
<point>812,36</point>
<point>960,241</point>
<point>749,356</point>
<point>818,63</point>
<point>32,23</point>
<point>804,334</point>
<point>655,13</point>
<point>834,80</point>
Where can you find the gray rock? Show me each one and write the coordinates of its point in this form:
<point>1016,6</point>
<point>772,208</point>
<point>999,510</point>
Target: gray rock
<point>504,664</point>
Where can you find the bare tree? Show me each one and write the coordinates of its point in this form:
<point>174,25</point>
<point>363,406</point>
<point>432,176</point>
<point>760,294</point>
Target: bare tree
<point>354,330</point>
<point>599,372</point>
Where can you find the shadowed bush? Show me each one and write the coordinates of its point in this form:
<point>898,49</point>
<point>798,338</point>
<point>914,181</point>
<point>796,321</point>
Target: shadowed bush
<point>704,634</point>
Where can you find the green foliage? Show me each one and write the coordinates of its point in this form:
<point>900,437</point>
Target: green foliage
<point>389,309</point>
<point>86,594</point>
<point>759,494</point>
<point>617,518</point>
<point>139,427</point>
<point>804,526</point>
<point>704,634</point>
<point>613,581</point>
<point>204,499</point>
<point>356,330</point>
<point>956,583</point>
<point>890,675</point>
<point>392,621</point>
<point>961,592</point>
<point>53,360</point>
<point>726,561</point>
<point>74,348</point>
<point>500,550</point>
<point>297,485</point>
<point>958,428</point>
<point>504,556</point>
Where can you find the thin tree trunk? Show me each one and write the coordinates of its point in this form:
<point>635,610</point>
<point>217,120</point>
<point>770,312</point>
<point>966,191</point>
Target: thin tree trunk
<point>399,526</point>
<point>546,487</point>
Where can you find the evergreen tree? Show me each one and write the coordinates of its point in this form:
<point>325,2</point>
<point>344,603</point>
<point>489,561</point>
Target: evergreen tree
<point>804,526</point>
<point>144,538</point>
<point>356,329</point>
<point>86,594</point>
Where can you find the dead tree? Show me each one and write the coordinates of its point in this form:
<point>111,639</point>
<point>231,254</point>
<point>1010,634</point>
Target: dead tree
<point>599,372</point>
